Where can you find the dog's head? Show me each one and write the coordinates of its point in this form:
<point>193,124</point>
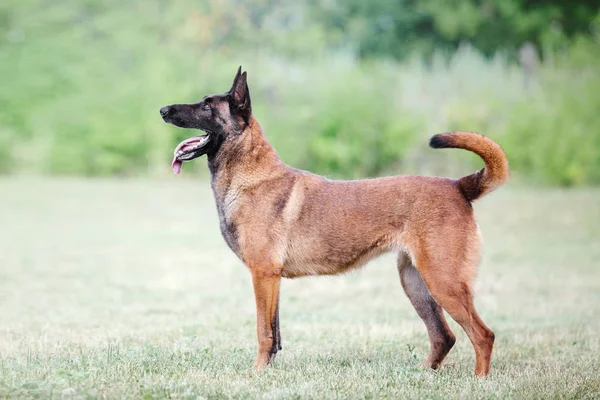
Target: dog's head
<point>220,116</point>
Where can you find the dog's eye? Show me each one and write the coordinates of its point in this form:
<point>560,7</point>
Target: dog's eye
<point>206,106</point>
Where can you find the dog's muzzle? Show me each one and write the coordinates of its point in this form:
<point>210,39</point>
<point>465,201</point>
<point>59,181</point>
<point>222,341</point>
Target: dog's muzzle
<point>165,111</point>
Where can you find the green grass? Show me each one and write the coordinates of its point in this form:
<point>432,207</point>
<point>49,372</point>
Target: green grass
<point>125,289</point>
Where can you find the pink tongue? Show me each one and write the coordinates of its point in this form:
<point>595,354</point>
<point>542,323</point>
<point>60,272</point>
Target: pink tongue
<point>176,164</point>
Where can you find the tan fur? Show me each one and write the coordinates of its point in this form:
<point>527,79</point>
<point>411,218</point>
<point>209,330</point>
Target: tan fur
<point>328,227</point>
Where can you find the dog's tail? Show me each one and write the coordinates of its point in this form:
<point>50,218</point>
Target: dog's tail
<point>487,179</point>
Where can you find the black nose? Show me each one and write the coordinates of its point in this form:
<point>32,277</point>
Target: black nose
<point>165,111</point>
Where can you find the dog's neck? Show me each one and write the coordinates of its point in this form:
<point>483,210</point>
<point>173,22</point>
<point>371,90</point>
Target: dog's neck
<point>249,158</point>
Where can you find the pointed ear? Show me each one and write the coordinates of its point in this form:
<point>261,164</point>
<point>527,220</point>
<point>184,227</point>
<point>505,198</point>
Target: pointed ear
<point>240,94</point>
<point>237,76</point>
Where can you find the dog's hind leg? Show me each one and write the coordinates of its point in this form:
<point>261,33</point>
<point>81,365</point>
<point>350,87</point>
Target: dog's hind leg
<point>441,338</point>
<point>448,275</point>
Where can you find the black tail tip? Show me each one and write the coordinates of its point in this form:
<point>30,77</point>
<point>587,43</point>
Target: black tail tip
<point>440,141</point>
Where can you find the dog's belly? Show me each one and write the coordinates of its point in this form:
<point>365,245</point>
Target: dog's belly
<point>317,257</point>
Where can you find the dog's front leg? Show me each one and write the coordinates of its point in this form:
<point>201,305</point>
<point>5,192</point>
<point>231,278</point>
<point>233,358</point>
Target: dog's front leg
<point>266,291</point>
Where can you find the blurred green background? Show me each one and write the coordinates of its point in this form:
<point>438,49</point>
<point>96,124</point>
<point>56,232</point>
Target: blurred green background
<point>343,88</point>
<point>123,288</point>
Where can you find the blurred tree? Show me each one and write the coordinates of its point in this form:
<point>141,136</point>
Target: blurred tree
<point>397,28</point>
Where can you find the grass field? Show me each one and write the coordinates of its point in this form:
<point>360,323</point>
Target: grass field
<point>125,289</point>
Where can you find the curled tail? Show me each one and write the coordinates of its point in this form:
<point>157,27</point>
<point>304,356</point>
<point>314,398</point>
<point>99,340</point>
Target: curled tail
<point>486,179</point>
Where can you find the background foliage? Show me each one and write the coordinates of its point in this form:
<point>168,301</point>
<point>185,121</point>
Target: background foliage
<point>398,28</point>
<point>345,88</point>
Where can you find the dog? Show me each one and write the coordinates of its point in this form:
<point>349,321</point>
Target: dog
<point>283,222</point>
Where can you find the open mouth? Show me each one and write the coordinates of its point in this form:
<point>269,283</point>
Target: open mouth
<point>188,150</point>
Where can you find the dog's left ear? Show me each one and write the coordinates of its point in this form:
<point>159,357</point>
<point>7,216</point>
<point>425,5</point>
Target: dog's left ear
<point>240,94</point>
<point>237,76</point>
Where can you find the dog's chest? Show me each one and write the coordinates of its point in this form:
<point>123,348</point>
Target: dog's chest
<point>227,203</point>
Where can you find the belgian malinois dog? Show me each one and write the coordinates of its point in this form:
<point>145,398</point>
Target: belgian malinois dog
<point>285,222</point>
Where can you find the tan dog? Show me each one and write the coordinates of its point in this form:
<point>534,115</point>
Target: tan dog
<point>284,222</point>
